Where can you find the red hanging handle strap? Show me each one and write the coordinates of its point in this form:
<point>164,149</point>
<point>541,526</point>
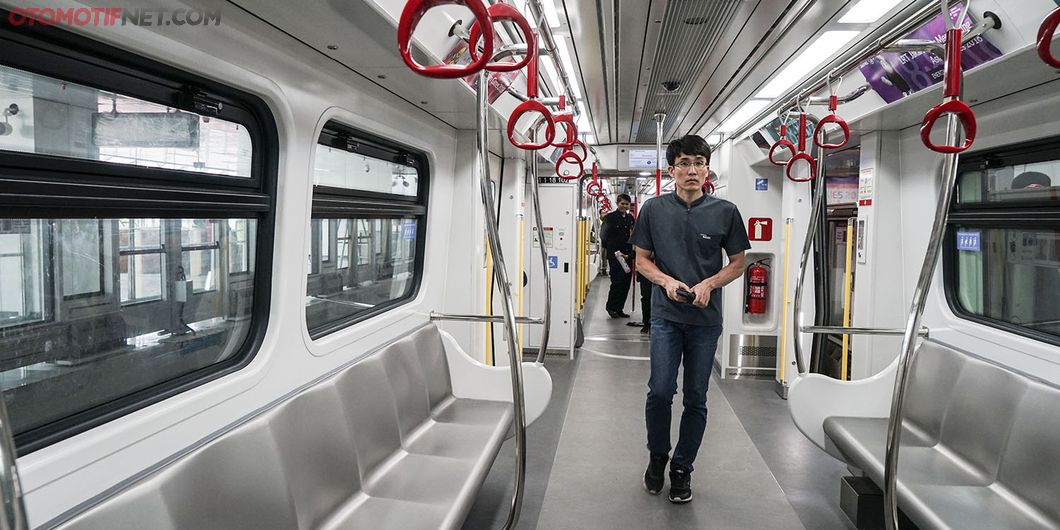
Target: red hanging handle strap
<point>410,18</point>
<point>1045,38</point>
<point>782,142</point>
<point>953,105</point>
<point>802,155</point>
<point>818,136</point>
<point>508,12</point>
<point>570,131</point>
<point>532,105</point>
<point>569,158</point>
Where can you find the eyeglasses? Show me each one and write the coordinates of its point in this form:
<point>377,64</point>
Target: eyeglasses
<point>685,164</point>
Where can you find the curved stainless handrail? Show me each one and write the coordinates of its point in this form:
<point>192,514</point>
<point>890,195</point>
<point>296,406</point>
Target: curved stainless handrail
<point>500,275</point>
<point>12,509</point>
<point>916,311</point>
<point>807,247</point>
<point>536,199</point>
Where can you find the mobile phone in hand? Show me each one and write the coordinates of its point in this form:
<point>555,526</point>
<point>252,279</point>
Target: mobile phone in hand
<point>687,295</point>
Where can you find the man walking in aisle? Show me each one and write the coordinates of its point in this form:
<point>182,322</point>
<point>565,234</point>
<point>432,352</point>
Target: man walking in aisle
<point>614,237</point>
<point>679,239</point>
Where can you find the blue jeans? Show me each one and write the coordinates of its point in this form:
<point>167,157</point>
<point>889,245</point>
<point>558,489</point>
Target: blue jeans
<point>670,343</point>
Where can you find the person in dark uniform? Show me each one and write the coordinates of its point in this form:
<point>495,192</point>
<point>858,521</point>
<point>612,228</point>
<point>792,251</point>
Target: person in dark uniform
<point>679,240</point>
<point>614,237</point>
<point>645,302</point>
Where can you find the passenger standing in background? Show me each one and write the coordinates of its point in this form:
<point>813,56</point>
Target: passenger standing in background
<point>614,237</point>
<point>679,239</point>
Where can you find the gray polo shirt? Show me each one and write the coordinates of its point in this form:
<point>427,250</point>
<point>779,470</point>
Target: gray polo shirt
<point>688,242</point>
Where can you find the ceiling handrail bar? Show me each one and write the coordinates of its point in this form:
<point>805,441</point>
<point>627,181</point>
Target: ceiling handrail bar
<point>890,33</point>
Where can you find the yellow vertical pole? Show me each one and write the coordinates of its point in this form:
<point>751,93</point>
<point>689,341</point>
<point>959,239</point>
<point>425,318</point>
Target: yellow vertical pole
<point>846,299</point>
<point>784,306</point>
<point>489,304</point>
<point>578,269</point>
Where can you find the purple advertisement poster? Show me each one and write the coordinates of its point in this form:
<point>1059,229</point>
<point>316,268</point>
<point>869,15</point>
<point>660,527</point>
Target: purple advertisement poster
<point>896,75</point>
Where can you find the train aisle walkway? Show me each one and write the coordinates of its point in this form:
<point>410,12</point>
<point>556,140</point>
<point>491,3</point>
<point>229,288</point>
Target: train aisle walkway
<point>596,477</point>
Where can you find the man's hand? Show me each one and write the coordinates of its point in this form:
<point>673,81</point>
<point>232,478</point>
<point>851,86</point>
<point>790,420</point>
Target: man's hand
<point>672,285</point>
<point>702,292</point>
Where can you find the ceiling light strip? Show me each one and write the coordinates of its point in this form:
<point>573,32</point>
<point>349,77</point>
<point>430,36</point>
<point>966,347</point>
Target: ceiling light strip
<point>880,37</point>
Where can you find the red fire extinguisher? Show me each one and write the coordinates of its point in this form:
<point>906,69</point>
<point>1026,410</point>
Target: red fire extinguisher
<point>757,287</point>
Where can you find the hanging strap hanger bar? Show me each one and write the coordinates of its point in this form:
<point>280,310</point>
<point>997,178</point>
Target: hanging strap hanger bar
<point>886,35</point>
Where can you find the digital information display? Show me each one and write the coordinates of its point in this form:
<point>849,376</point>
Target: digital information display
<point>641,158</point>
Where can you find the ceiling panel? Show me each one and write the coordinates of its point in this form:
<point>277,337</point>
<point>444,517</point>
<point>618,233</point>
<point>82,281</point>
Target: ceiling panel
<point>691,29</point>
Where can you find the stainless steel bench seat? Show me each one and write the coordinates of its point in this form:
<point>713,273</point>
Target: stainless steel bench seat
<point>382,443</point>
<point>980,445</point>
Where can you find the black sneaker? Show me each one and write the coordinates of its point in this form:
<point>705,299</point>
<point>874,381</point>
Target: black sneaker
<point>645,329</point>
<point>655,474</point>
<point>680,486</point>
<point>623,315</point>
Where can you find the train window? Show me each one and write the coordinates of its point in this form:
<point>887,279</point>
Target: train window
<point>1003,257</point>
<point>103,348</point>
<point>135,231</point>
<point>73,120</point>
<point>369,210</point>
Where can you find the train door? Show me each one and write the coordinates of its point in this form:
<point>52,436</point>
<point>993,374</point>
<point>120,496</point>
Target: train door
<point>559,238</point>
<point>835,291</point>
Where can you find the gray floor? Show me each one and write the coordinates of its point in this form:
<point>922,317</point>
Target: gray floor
<point>586,453</point>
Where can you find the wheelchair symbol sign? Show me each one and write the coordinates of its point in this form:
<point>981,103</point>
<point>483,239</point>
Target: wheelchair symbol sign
<point>553,262</point>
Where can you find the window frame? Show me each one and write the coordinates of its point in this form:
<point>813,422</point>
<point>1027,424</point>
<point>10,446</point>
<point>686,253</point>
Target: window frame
<point>36,186</point>
<point>1001,216</point>
<point>357,205</point>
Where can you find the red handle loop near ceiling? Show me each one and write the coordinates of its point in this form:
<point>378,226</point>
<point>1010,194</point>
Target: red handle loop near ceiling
<point>809,159</point>
<point>570,131</point>
<point>708,187</point>
<point>782,142</point>
<point>596,169</point>
<point>595,189</point>
<point>801,155</point>
<point>967,117</point>
<point>818,136</point>
<point>532,105</point>
<point>585,151</point>
<point>953,105</point>
<point>569,158</point>
<point>410,18</point>
<point>1045,38</point>
<point>500,12</point>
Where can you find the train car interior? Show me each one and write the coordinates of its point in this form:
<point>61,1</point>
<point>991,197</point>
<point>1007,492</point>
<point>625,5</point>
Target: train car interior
<point>424,264</point>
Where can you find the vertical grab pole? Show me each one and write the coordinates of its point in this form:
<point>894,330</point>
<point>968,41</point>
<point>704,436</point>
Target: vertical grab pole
<point>659,118</point>
<point>500,275</point>
<point>916,311</point>
<point>536,199</point>
<point>807,248</point>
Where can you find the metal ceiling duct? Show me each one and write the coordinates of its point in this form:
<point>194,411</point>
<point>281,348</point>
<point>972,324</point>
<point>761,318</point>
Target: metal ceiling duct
<point>691,30</point>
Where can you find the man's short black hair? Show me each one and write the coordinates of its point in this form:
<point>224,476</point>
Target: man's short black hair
<point>691,144</point>
<point>623,197</point>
